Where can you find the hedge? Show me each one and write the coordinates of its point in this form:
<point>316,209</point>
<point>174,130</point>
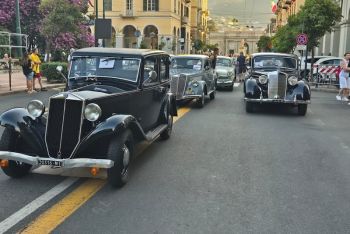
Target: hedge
<point>49,71</point>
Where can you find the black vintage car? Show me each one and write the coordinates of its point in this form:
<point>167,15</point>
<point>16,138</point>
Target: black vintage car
<point>192,77</point>
<point>115,99</point>
<point>275,78</point>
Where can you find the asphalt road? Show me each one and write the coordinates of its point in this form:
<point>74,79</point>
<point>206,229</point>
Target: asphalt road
<point>222,171</point>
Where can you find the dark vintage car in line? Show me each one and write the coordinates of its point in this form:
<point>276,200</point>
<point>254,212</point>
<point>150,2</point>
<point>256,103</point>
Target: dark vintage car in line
<point>275,78</point>
<point>192,77</point>
<point>115,98</point>
<point>225,70</point>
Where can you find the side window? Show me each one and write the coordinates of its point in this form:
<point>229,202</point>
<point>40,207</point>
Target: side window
<point>164,68</point>
<point>150,71</point>
<point>327,62</point>
<point>337,62</point>
<point>207,63</point>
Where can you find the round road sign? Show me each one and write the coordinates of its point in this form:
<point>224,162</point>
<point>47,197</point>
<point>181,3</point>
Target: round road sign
<point>302,39</point>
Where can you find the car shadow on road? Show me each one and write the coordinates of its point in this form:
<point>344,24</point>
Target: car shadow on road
<point>275,109</point>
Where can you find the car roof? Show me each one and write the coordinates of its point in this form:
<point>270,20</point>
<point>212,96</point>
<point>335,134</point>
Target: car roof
<point>226,57</point>
<point>191,56</point>
<point>328,58</point>
<point>114,51</point>
<point>273,53</point>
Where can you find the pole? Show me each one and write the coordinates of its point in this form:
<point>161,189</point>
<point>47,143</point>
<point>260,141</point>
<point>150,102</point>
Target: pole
<point>103,15</point>
<point>18,28</point>
<point>305,71</point>
<point>96,11</point>
<point>10,73</point>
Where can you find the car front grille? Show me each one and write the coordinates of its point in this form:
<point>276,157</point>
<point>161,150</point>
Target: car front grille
<point>178,85</point>
<point>63,128</point>
<point>277,85</point>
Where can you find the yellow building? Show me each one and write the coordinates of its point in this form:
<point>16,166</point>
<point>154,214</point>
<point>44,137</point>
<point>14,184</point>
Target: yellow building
<point>199,20</point>
<point>286,8</point>
<point>162,24</point>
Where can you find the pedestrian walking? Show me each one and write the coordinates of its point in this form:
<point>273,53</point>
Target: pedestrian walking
<point>213,58</point>
<point>241,66</point>
<point>344,80</point>
<point>26,64</point>
<point>36,69</point>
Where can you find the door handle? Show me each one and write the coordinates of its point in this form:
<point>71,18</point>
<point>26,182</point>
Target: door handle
<point>162,89</point>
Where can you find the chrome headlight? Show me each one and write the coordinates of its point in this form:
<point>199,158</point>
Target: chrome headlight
<point>36,108</point>
<point>292,80</point>
<point>262,79</point>
<point>229,73</point>
<point>195,84</point>
<point>92,112</point>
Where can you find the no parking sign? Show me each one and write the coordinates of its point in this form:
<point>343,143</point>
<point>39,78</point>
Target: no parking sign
<point>302,39</point>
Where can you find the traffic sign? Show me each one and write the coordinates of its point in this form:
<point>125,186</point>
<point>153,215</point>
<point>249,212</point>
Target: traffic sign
<point>302,39</point>
<point>301,47</point>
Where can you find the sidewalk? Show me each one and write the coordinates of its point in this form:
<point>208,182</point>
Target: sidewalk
<point>18,83</point>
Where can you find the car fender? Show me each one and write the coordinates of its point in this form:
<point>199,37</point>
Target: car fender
<point>31,129</point>
<point>252,89</point>
<point>201,88</point>
<point>301,91</point>
<point>172,106</point>
<point>114,125</point>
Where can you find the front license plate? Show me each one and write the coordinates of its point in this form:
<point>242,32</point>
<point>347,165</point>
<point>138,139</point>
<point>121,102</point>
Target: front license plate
<point>49,162</point>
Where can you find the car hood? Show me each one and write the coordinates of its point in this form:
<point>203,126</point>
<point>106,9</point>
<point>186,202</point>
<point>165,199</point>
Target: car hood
<point>223,70</point>
<point>81,95</point>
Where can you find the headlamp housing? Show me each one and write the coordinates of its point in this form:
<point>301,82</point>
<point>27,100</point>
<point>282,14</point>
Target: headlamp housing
<point>36,108</point>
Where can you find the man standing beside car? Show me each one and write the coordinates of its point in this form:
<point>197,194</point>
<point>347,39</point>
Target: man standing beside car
<point>241,67</point>
<point>344,80</point>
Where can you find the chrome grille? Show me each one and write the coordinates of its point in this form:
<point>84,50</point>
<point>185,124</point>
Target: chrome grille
<point>63,127</point>
<point>277,85</point>
<point>178,85</point>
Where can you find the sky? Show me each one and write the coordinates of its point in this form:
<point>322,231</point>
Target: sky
<point>253,12</point>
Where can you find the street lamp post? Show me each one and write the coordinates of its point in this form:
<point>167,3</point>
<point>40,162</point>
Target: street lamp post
<point>18,29</point>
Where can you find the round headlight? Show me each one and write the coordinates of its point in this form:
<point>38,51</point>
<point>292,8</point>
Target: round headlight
<point>92,112</point>
<point>263,79</point>
<point>292,80</point>
<point>195,84</point>
<point>229,73</point>
<point>36,108</point>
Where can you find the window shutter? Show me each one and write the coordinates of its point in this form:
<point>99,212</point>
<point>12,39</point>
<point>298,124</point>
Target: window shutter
<point>144,5</point>
<point>157,5</point>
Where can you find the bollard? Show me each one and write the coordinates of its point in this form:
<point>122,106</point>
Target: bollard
<point>10,73</point>
<point>317,80</point>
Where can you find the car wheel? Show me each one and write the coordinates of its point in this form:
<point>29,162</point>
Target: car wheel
<point>249,107</point>
<point>168,119</point>
<point>302,109</point>
<point>212,95</point>
<point>201,101</point>
<point>14,169</point>
<point>120,151</point>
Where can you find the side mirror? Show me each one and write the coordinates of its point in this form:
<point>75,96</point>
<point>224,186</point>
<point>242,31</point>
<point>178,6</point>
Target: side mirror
<point>152,75</point>
<point>59,68</point>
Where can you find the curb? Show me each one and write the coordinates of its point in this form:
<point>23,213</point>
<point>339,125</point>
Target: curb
<point>325,90</point>
<point>22,90</point>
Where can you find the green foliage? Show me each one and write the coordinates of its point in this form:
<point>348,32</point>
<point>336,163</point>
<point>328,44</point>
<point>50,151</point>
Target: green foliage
<point>143,45</point>
<point>264,44</point>
<point>315,18</point>
<point>52,75</point>
<point>198,44</point>
<point>211,26</point>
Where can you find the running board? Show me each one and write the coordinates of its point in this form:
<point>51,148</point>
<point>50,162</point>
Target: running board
<point>153,134</point>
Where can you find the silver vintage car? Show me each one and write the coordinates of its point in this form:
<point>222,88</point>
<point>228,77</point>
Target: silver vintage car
<point>225,70</point>
<point>192,77</point>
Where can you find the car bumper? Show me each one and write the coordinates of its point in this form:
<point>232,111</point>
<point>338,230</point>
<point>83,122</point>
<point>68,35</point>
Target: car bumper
<point>224,84</point>
<point>192,96</point>
<point>271,100</point>
<point>64,163</point>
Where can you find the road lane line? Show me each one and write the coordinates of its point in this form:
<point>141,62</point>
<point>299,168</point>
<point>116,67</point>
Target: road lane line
<point>236,84</point>
<point>54,216</point>
<point>57,214</point>
<point>36,204</point>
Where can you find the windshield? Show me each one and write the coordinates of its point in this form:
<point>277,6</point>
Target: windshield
<point>118,68</point>
<point>274,61</point>
<point>187,65</point>
<point>223,62</point>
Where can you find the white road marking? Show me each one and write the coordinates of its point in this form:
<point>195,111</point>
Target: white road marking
<point>236,84</point>
<point>36,204</point>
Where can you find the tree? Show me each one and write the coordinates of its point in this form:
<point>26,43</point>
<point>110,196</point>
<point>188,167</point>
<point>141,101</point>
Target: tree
<point>264,44</point>
<point>63,25</point>
<point>211,26</point>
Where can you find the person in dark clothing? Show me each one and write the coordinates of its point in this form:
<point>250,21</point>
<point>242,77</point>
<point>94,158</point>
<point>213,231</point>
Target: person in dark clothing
<point>241,66</point>
<point>214,58</point>
<point>26,64</point>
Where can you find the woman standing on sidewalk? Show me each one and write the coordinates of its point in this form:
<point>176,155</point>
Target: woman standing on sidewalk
<point>344,80</point>
<point>26,64</point>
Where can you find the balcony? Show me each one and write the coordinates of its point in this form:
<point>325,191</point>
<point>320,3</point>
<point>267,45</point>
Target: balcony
<point>128,14</point>
<point>184,20</point>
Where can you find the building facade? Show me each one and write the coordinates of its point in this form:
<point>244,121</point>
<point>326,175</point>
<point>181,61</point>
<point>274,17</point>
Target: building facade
<point>286,8</point>
<point>199,20</point>
<point>336,43</point>
<point>156,24</point>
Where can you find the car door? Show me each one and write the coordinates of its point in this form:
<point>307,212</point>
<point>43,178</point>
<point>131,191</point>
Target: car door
<point>153,92</point>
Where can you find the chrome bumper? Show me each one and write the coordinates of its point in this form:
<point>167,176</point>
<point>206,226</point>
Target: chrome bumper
<point>271,100</point>
<point>65,163</point>
<point>192,96</point>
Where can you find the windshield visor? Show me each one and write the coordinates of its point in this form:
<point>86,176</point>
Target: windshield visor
<point>118,68</point>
